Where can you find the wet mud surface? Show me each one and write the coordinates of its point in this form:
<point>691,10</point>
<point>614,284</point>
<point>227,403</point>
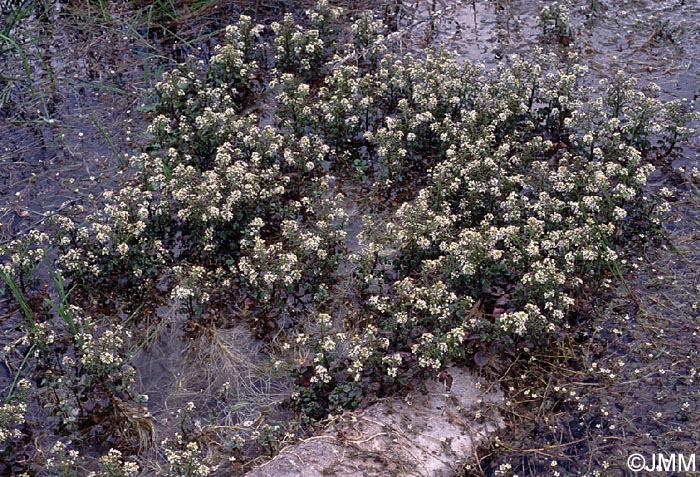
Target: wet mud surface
<point>74,101</point>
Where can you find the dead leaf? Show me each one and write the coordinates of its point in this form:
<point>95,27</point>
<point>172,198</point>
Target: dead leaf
<point>481,358</point>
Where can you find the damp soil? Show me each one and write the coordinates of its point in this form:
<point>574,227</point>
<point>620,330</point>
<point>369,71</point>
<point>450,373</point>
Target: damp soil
<point>75,102</point>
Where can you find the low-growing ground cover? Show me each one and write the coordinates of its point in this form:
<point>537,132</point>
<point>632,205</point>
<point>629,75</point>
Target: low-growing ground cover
<point>496,203</point>
<point>624,384</point>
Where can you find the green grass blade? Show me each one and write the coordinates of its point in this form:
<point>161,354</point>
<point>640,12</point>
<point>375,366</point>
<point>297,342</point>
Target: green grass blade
<point>11,391</point>
<point>62,308</point>
<point>10,282</point>
<point>23,56</point>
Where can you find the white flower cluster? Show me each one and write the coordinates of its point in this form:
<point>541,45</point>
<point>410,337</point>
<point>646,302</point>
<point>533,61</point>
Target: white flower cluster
<point>12,417</point>
<point>185,458</point>
<point>114,465</point>
<point>63,461</point>
<point>297,49</point>
<point>104,356</point>
<point>195,284</point>
<point>554,20</point>
<point>112,240</point>
<point>24,256</point>
<point>306,255</point>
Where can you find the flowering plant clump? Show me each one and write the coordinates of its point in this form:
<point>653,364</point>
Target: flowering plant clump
<point>79,369</point>
<point>302,262</point>
<point>114,465</point>
<point>555,23</point>
<point>226,197</point>
<point>114,245</point>
<point>82,375</point>
<point>23,258</point>
<point>536,181</point>
<point>496,200</point>
<point>64,461</point>
<point>184,458</point>
<point>12,421</point>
